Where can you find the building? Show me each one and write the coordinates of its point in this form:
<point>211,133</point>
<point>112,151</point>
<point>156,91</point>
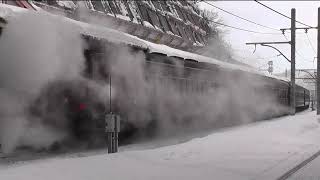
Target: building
<point>178,24</point>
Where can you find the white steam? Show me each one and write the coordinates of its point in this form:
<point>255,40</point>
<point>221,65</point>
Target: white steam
<point>240,98</point>
<point>42,55</point>
<point>35,49</point>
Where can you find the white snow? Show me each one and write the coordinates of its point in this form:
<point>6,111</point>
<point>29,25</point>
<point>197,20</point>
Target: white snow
<point>67,4</point>
<point>147,24</point>
<point>261,150</point>
<point>8,10</point>
<point>126,18</point>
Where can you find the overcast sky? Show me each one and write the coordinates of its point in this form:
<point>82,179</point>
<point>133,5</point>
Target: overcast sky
<point>306,12</point>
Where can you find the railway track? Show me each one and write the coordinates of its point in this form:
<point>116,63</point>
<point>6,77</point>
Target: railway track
<point>295,169</point>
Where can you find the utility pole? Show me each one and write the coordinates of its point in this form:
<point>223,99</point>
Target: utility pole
<point>293,62</point>
<point>314,95</point>
<point>318,65</point>
<point>112,124</point>
<point>292,42</point>
<point>293,29</point>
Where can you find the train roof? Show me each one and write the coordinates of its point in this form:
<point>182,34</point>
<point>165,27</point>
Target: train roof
<point>112,35</point>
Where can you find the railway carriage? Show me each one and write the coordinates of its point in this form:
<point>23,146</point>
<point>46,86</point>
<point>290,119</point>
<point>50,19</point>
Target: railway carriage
<point>190,76</point>
<point>153,83</point>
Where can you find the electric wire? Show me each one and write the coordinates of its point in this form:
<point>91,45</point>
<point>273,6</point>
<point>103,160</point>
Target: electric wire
<point>311,44</point>
<point>241,17</point>
<point>241,29</point>
<point>251,31</point>
<point>270,57</point>
<point>281,13</point>
<point>297,52</point>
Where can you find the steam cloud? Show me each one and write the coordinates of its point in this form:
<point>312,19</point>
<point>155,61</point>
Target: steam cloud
<point>35,49</point>
<point>42,55</point>
<point>239,99</point>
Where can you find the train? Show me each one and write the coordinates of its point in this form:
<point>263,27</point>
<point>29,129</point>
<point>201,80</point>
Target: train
<point>156,89</point>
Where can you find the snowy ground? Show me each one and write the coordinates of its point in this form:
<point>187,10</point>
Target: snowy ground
<point>308,172</point>
<point>257,151</point>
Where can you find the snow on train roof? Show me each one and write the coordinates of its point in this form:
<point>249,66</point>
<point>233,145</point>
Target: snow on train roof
<point>115,36</point>
<point>7,10</point>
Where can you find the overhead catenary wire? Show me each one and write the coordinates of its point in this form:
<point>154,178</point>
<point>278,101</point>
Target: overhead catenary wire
<point>281,13</point>
<point>311,44</point>
<point>241,29</point>
<point>240,17</point>
<point>297,52</point>
<point>252,31</point>
<point>270,57</point>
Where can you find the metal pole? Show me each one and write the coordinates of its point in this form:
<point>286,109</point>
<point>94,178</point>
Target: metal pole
<point>110,94</point>
<point>293,61</point>
<point>318,66</point>
<point>109,142</point>
<point>116,134</point>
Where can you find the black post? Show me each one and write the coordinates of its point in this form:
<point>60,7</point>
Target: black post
<point>293,61</point>
<point>109,142</point>
<point>312,108</point>
<point>318,66</point>
<point>116,134</point>
<point>110,94</point>
<point>110,136</point>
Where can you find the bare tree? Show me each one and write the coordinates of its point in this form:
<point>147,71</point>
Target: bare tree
<point>217,46</point>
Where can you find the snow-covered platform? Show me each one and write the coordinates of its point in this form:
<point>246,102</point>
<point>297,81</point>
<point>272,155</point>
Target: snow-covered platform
<point>263,150</point>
